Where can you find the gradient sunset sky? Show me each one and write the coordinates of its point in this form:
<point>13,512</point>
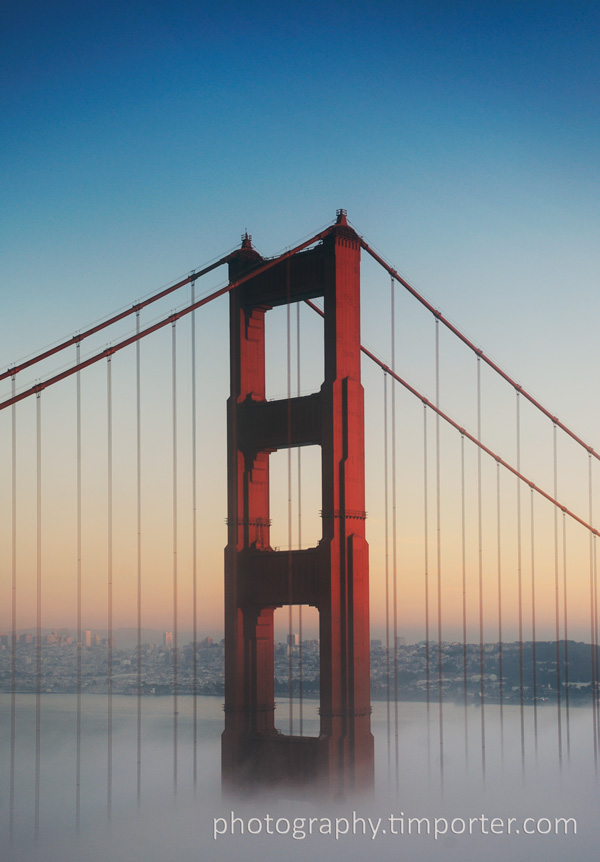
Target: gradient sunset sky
<point>139,140</point>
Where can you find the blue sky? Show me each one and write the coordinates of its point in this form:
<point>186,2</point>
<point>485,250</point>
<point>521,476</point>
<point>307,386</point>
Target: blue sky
<point>140,139</point>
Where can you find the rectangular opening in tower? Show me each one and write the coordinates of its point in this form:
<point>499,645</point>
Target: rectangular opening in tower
<point>303,350</point>
<point>295,497</point>
<point>296,670</point>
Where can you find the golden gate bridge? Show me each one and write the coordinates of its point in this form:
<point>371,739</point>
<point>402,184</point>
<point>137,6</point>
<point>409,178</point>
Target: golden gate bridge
<point>481,531</point>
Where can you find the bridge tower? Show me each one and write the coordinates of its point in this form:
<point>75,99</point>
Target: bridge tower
<point>333,577</point>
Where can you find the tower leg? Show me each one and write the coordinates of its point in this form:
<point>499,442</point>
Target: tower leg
<point>259,579</point>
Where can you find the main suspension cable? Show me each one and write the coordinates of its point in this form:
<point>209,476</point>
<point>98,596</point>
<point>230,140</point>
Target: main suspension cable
<point>516,472</point>
<point>171,318</point>
<point>439,316</point>
<point>134,309</point>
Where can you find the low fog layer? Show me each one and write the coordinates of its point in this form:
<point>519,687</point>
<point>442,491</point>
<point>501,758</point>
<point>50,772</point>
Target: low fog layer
<point>183,825</point>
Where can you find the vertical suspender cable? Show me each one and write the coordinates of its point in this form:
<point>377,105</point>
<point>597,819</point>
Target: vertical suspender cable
<point>595,613</point>
<point>533,630</point>
<point>38,639</point>
<point>520,587</point>
<point>109,581</point>
<point>394,540</point>
<point>439,549</point>
<point>387,572</point>
<point>13,640</point>
<point>289,484</point>
<point>79,644</point>
<point>426,563</point>
<point>464,594</point>
<point>566,630</point>
<point>595,616</point>
<point>300,632</point>
<point>557,601</point>
<point>175,642</point>
<point>500,644</point>
<point>594,655</point>
<point>194,550</point>
<point>138,429</point>
<point>480,569</point>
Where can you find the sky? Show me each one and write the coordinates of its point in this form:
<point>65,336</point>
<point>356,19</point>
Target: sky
<point>139,140</point>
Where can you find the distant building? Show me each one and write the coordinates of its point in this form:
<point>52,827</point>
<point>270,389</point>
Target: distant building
<point>168,640</point>
<point>87,638</point>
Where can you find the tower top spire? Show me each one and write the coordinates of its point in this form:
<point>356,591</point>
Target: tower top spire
<point>341,217</point>
<point>244,257</point>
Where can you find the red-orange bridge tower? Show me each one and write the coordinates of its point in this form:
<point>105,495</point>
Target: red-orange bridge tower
<point>333,577</point>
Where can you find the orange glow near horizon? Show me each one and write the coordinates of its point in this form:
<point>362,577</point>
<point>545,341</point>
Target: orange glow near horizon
<point>159,564</point>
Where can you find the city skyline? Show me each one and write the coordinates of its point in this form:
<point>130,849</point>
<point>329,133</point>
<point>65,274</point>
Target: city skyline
<point>408,673</point>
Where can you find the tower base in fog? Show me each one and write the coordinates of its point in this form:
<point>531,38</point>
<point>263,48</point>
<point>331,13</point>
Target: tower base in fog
<point>333,577</point>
